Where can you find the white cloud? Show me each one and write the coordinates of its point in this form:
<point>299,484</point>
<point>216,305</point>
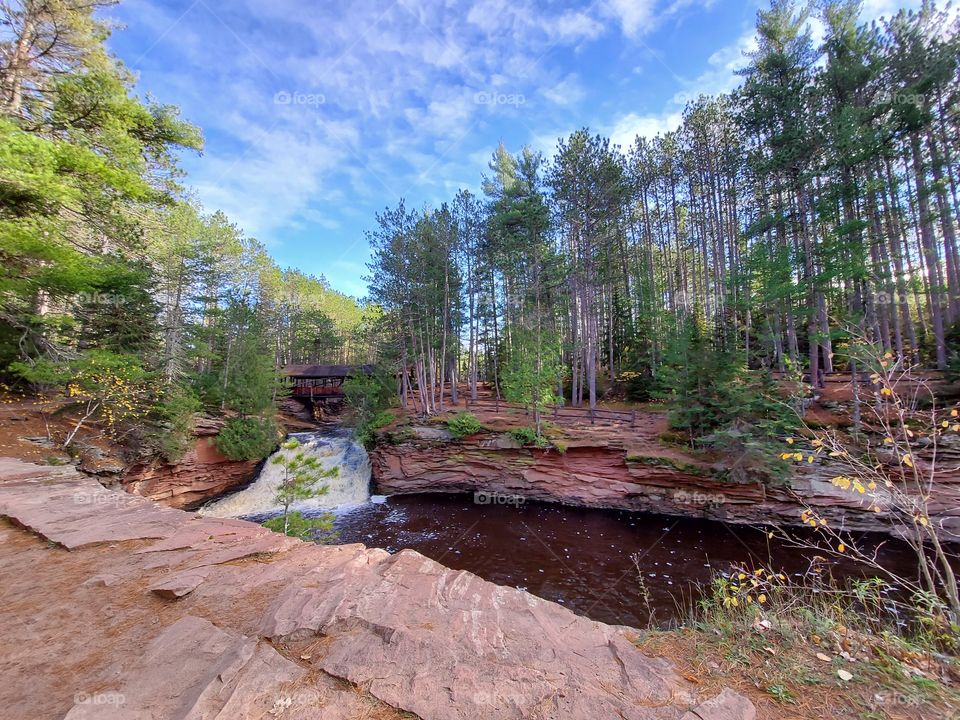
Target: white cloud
<point>575,26</point>
<point>399,82</point>
<point>721,73</point>
<point>635,16</point>
<point>626,128</point>
<point>567,92</point>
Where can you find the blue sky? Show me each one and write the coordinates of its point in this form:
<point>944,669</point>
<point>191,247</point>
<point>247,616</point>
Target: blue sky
<point>317,114</point>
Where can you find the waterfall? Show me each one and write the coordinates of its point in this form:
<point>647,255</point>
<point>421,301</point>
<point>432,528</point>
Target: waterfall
<point>337,448</point>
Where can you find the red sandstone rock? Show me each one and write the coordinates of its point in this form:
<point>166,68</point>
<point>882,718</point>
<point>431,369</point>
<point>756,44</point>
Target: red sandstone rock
<point>728,705</point>
<point>443,644</point>
<point>642,478</point>
<point>194,670</point>
<point>203,473</point>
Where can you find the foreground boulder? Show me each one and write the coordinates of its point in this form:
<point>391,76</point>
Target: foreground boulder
<point>177,616</point>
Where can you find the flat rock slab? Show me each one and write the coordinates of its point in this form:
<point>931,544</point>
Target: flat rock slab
<point>440,643</point>
<point>447,644</point>
<point>195,670</point>
<point>75,511</point>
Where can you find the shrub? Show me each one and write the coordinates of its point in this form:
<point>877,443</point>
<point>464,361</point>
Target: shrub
<point>366,430</point>
<point>463,424</point>
<point>318,529</point>
<point>174,432</point>
<point>367,397</point>
<point>248,438</point>
<point>528,436</point>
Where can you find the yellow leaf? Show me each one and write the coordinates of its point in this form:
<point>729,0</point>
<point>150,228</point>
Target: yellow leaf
<point>908,461</point>
<point>762,598</point>
<point>841,547</point>
<point>809,458</point>
<point>886,391</point>
<point>954,413</point>
<point>789,441</point>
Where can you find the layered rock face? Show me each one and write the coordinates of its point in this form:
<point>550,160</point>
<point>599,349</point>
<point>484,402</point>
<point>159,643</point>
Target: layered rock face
<point>139,611</point>
<point>608,474</point>
<point>201,474</point>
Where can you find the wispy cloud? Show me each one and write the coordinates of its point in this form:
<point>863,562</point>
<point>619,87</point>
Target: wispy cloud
<point>318,116</point>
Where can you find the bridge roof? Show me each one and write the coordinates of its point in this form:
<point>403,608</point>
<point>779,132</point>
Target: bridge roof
<point>311,372</point>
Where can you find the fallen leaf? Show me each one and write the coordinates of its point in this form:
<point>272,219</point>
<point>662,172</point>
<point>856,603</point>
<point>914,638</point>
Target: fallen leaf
<point>824,657</point>
<point>844,675</point>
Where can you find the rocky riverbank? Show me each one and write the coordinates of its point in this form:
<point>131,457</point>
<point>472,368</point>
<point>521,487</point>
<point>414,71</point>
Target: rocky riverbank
<point>203,472</point>
<point>117,607</point>
<point>629,472</point>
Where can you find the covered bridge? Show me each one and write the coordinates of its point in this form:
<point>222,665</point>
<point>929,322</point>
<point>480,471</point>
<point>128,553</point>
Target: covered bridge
<point>321,382</point>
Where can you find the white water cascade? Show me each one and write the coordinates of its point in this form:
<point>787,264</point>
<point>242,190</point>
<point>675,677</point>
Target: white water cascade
<point>338,448</point>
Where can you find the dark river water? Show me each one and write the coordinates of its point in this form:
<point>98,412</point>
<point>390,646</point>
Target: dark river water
<point>581,558</point>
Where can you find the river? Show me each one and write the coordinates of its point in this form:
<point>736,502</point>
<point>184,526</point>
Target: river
<point>615,566</point>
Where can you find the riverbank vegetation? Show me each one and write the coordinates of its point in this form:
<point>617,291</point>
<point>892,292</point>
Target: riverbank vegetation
<point>811,647</point>
<point>121,299</point>
<point>816,200</point>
